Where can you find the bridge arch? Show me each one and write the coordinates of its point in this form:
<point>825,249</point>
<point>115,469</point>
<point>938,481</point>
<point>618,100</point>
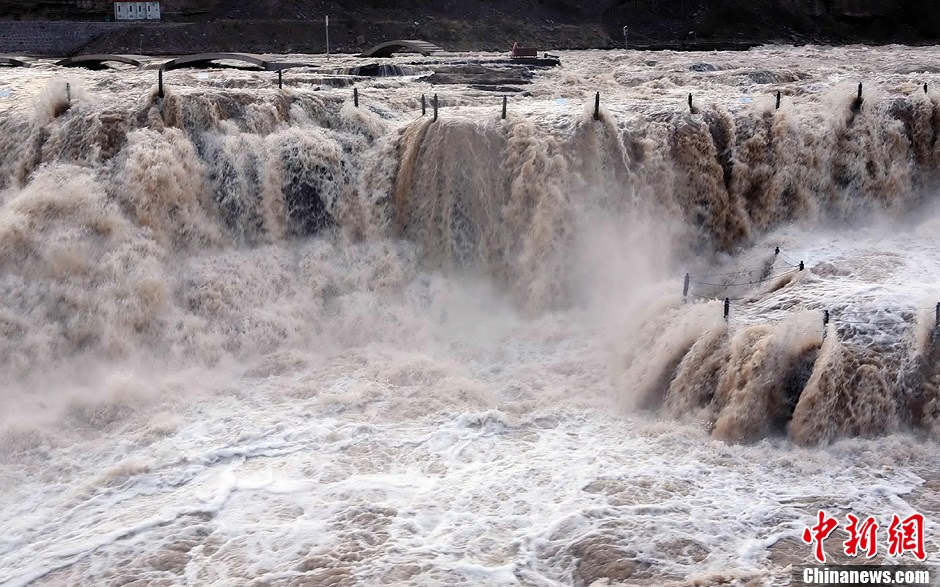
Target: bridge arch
<point>389,47</point>
<point>98,61</point>
<point>8,61</point>
<point>205,59</point>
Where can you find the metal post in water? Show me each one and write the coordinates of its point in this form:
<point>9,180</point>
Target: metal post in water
<point>727,308</point>
<point>597,106</point>
<point>424,106</point>
<point>356,97</point>
<point>776,251</point>
<point>690,103</point>
<point>859,91</point>
<point>801,265</point>
<point>685,286</point>
<point>778,101</point>
<point>280,79</point>
<point>825,317</point>
<point>925,87</point>
<point>505,100</point>
<point>160,82</point>
<point>435,107</point>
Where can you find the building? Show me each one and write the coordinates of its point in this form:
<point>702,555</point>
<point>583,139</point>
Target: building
<point>136,10</point>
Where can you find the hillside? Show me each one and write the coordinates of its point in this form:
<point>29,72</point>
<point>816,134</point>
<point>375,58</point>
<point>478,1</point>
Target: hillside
<point>296,25</point>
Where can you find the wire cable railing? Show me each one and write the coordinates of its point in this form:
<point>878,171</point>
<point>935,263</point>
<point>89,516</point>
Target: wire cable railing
<point>896,317</point>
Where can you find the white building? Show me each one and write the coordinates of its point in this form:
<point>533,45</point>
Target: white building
<point>136,10</point>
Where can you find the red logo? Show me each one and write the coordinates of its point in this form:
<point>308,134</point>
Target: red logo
<point>905,535</point>
<point>818,533</point>
<point>861,538</point>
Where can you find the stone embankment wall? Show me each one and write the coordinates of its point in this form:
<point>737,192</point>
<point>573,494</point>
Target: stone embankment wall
<point>52,37</point>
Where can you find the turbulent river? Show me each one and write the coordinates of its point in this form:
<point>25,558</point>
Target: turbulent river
<point>264,337</point>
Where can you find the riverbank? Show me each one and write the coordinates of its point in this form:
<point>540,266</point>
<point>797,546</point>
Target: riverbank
<point>476,25</point>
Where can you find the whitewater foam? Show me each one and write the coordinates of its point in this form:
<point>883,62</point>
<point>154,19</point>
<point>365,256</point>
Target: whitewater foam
<point>259,336</point>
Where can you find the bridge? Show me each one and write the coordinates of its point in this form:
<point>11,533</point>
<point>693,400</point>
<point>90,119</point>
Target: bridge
<point>97,61</point>
<point>8,61</point>
<point>206,59</point>
<point>408,46</point>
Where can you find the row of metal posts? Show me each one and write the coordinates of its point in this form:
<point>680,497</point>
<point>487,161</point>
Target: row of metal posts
<point>597,106</point>
<point>936,324</point>
<point>727,302</point>
<point>597,102</point>
<point>597,97</point>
